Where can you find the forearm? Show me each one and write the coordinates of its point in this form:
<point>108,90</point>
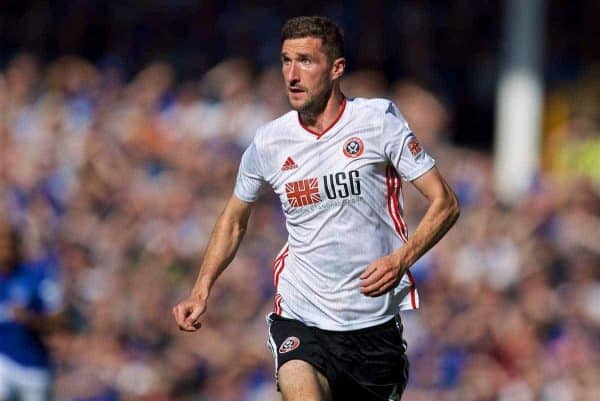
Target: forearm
<point>222,247</point>
<point>441,215</point>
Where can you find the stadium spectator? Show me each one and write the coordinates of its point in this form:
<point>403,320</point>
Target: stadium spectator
<point>30,308</point>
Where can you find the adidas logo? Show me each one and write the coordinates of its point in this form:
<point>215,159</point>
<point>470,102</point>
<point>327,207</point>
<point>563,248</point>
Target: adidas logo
<point>289,164</point>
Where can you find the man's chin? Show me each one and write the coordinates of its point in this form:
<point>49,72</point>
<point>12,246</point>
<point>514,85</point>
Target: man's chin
<point>299,105</point>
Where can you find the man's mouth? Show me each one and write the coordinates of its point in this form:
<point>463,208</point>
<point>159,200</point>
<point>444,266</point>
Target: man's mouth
<point>296,90</point>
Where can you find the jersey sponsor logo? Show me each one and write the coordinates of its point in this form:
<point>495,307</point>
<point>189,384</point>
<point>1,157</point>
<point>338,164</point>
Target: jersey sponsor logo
<point>342,185</point>
<point>289,164</point>
<point>303,192</point>
<point>415,147</point>
<point>353,147</point>
<point>289,344</point>
<point>339,185</point>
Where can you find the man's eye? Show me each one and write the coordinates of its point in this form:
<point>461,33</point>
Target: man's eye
<point>305,61</point>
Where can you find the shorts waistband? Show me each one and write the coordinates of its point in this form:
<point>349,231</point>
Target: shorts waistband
<point>382,326</point>
<point>393,321</point>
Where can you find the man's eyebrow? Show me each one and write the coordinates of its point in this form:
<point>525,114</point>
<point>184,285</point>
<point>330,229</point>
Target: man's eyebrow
<point>298,55</point>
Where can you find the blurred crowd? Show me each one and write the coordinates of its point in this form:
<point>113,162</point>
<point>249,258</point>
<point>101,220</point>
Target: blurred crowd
<point>455,47</point>
<point>115,184</point>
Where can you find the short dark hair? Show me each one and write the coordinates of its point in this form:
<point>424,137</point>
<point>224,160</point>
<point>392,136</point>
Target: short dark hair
<point>330,33</point>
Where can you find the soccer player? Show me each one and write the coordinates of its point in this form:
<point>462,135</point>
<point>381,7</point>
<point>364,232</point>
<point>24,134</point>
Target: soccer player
<point>30,307</point>
<point>343,275</point>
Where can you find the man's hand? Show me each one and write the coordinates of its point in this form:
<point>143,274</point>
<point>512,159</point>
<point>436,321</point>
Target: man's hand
<point>381,275</point>
<point>188,312</point>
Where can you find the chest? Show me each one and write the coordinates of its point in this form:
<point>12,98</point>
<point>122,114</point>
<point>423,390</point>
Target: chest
<point>305,173</point>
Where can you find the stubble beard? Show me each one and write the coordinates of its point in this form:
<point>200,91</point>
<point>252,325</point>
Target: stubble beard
<point>314,105</point>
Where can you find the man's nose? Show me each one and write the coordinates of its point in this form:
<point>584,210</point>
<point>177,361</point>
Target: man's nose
<point>292,74</point>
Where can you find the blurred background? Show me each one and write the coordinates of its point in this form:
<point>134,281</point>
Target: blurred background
<point>121,128</point>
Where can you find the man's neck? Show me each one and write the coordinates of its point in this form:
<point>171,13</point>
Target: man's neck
<point>319,122</point>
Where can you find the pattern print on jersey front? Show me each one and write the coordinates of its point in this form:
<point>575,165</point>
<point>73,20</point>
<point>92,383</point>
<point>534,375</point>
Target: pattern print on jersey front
<point>341,195</point>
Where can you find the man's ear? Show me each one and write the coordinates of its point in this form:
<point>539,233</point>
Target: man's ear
<point>338,67</point>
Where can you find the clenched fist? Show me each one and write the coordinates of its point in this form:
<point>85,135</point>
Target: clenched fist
<point>188,311</point>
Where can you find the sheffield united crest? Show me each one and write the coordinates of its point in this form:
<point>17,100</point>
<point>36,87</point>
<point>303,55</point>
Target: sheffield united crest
<point>289,344</point>
<point>353,147</point>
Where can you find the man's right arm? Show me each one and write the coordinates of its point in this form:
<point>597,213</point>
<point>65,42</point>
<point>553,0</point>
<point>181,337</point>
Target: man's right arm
<point>222,247</point>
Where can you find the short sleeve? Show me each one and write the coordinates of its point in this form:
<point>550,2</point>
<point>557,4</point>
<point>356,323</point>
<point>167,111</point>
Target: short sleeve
<point>250,178</point>
<point>402,148</point>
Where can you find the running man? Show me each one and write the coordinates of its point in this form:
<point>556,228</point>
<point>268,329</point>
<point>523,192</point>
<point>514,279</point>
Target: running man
<point>343,275</point>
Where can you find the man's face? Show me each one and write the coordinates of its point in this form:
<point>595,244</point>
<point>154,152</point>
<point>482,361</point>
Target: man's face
<point>307,72</point>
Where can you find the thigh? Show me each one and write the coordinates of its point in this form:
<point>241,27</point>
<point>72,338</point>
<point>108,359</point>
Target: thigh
<point>373,363</point>
<point>300,381</point>
<point>353,388</point>
<point>300,360</point>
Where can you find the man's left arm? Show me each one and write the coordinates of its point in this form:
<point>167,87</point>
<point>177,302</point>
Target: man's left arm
<point>384,273</point>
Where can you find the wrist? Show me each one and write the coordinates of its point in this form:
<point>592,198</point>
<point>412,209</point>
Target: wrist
<point>200,295</point>
<point>396,259</point>
<point>200,291</point>
<point>401,259</point>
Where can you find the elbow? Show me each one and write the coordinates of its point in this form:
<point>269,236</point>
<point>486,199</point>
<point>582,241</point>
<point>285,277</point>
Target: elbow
<point>453,207</point>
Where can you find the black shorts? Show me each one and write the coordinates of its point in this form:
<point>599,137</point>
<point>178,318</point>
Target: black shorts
<point>369,364</point>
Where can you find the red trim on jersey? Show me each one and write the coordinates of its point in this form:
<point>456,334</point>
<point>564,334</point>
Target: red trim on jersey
<point>279,310</point>
<point>396,200</point>
<point>281,254</point>
<point>393,204</point>
<point>278,269</point>
<point>278,265</point>
<point>413,286</point>
<point>277,304</point>
<point>319,135</point>
<point>394,185</point>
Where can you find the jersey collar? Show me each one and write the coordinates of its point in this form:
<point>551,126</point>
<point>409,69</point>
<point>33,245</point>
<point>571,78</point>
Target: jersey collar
<point>317,134</point>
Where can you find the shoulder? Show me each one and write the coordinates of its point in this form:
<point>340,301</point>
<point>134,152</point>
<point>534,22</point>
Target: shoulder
<point>380,105</point>
<point>384,109</point>
<point>377,105</point>
<point>266,133</point>
<point>383,112</point>
<point>265,141</point>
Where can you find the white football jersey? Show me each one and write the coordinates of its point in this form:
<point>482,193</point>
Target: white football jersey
<point>341,194</point>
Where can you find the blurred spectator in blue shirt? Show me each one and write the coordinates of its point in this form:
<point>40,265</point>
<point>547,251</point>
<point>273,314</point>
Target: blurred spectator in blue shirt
<point>30,306</point>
